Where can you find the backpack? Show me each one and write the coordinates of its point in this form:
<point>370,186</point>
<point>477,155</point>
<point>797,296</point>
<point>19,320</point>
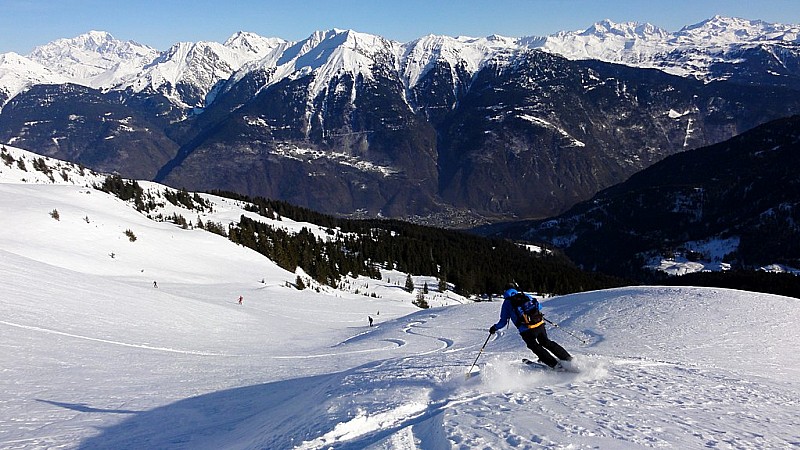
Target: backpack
<point>527,309</point>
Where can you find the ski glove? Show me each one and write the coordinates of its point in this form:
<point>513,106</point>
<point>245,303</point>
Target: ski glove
<point>493,330</point>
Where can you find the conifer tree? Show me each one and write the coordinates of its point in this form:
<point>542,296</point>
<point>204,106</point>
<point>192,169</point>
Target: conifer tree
<point>409,283</point>
<point>442,282</point>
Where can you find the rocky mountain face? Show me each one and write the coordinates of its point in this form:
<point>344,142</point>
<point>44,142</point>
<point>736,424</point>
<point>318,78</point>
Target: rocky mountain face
<point>742,193</point>
<point>443,130</point>
<point>541,135</point>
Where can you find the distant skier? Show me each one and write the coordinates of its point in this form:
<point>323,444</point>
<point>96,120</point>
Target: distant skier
<point>370,320</point>
<point>525,313</point>
<point>155,285</point>
<point>240,299</point>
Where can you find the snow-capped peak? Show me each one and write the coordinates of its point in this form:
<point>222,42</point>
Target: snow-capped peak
<point>721,30</point>
<point>688,52</point>
<point>327,54</point>
<point>198,67</point>
<point>470,53</point>
<point>94,41</point>
<point>318,48</point>
<point>629,30</point>
<point>607,41</point>
<point>245,43</point>
<point>94,58</point>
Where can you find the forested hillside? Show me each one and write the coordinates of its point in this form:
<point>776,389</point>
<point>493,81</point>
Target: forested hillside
<point>471,264</point>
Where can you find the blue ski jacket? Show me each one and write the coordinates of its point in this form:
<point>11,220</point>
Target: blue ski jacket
<point>507,312</point>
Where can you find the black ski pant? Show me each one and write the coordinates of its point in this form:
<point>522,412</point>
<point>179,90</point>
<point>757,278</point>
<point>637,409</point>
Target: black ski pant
<point>536,339</point>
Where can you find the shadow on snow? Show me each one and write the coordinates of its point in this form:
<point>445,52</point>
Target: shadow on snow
<point>339,410</point>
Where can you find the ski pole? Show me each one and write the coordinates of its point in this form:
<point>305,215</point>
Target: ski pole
<point>583,341</point>
<point>479,355</point>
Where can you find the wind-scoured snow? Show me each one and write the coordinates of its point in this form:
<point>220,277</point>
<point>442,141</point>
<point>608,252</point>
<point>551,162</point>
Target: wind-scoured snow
<point>95,356</point>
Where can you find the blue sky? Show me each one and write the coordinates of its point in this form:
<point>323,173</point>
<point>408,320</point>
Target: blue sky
<point>25,24</point>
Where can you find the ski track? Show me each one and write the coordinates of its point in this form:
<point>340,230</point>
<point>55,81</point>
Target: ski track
<point>395,423</point>
<point>364,430</point>
<point>616,383</point>
<point>107,341</point>
<point>442,378</point>
<point>396,343</point>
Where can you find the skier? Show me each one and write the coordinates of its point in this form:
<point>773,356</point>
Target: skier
<point>370,320</point>
<point>524,312</point>
<point>240,299</point>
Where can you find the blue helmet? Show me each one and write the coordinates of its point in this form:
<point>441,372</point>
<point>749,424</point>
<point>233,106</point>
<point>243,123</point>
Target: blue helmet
<point>510,293</point>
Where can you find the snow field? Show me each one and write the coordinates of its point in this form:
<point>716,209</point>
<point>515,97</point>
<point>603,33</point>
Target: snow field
<point>93,356</point>
<point>167,378</point>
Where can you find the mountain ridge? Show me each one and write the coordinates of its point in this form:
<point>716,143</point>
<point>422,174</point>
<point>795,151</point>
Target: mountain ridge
<point>98,60</point>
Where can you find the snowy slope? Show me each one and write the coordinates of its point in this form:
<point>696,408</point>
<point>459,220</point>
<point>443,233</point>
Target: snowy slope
<point>419,56</point>
<point>94,356</point>
<point>18,73</point>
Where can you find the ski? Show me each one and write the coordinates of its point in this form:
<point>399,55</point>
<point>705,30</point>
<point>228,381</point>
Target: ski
<point>536,364</point>
<point>540,365</point>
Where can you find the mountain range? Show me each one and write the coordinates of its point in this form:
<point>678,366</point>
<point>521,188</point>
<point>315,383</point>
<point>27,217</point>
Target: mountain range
<point>444,130</point>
